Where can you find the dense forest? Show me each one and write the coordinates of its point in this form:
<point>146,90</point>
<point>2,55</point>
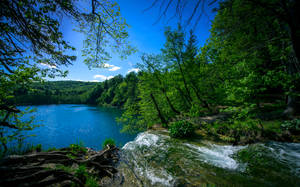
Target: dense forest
<point>53,92</point>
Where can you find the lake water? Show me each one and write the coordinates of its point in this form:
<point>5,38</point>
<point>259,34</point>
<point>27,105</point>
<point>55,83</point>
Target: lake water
<point>66,124</point>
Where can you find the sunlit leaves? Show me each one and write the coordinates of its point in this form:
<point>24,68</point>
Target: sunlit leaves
<point>106,31</point>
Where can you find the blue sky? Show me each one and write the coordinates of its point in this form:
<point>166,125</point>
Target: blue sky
<point>146,36</point>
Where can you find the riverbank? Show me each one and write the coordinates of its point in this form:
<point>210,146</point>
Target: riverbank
<point>220,128</point>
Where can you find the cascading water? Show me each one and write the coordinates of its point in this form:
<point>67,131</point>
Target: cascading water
<point>154,159</point>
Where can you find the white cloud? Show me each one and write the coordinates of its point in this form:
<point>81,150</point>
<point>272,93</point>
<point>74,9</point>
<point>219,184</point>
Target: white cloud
<point>103,77</point>
<point>133,69</point>
<point>100,76</point>
<point>111,67</point>
<point>115,68</point>
<point>106,65</point>
<point>49,66</point>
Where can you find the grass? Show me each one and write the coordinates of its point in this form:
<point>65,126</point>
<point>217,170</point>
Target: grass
<point>109,141</point>
<point>77,148</point>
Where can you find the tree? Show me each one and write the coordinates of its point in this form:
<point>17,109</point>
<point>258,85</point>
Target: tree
<point>287,11</point>
<point>252,45</point>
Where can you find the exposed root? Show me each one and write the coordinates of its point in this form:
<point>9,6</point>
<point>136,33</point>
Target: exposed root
<point>57,167</point>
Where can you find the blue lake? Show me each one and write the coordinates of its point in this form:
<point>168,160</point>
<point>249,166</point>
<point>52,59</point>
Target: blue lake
<point>66,124</point>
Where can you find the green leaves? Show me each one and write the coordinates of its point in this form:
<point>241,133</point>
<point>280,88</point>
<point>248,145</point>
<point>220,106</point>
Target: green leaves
<point>106,32</point>
<point>181,129</point>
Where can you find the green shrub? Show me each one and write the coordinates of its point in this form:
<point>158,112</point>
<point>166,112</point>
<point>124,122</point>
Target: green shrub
<point>76,148</point>
<point>52,149</point>
<point>109,142</point>
<point>38,147</point>
<point>292,125</point>
<point>91,182</point>
<point>181,129</point>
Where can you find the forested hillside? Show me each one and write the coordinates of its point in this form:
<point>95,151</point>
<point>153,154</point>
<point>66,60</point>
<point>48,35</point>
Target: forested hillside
<point>116,92</point>
<point>54,92</point>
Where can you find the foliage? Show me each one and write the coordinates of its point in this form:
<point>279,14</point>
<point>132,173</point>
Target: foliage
<point>76,148</point>
<point>91,182</point>
<point>292,125</point>
<point>54,92</point>
<point>118,92</point>
<point>109,142</point>
<point>81,172</point>
<point>181,129</point>
<point>38,147</point>
<point>16,135</point>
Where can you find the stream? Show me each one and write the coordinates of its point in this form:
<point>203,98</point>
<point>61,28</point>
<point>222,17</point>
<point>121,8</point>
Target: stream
<point>155,159</point>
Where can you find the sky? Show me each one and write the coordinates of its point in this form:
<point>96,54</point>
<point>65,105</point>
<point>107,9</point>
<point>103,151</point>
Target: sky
<point>144,34</point>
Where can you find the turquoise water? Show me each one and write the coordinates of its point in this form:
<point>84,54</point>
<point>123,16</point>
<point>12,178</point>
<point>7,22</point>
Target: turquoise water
<point>66,124</point>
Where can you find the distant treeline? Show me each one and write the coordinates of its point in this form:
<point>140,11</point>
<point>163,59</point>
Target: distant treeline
<point>114,92</point>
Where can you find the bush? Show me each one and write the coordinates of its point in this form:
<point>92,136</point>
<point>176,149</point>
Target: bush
<point>38,147</point>
<point>292,125</point>
<point>77,148</point>
<point>91,182</point>
<point>109,142</point>
<point>181,129</point>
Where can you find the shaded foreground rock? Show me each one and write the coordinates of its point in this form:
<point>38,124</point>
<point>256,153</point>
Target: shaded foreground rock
<point>63,167</point>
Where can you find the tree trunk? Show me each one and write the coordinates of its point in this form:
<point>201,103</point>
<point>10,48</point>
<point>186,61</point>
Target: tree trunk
<point>184,96</point>
<point>169,102</point>
<point>3,143</point>
<point>291,98</point>
<point>294,24</point>
<point>163,120</point>
<point>163,89</point>
<point>183,78</point>
<point>206,105</point>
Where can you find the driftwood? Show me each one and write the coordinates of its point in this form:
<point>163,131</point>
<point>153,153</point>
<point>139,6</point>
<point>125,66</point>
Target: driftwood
<point>45,168</point>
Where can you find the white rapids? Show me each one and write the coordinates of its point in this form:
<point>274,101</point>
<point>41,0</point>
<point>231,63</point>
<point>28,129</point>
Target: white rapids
<point>158,160</point>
